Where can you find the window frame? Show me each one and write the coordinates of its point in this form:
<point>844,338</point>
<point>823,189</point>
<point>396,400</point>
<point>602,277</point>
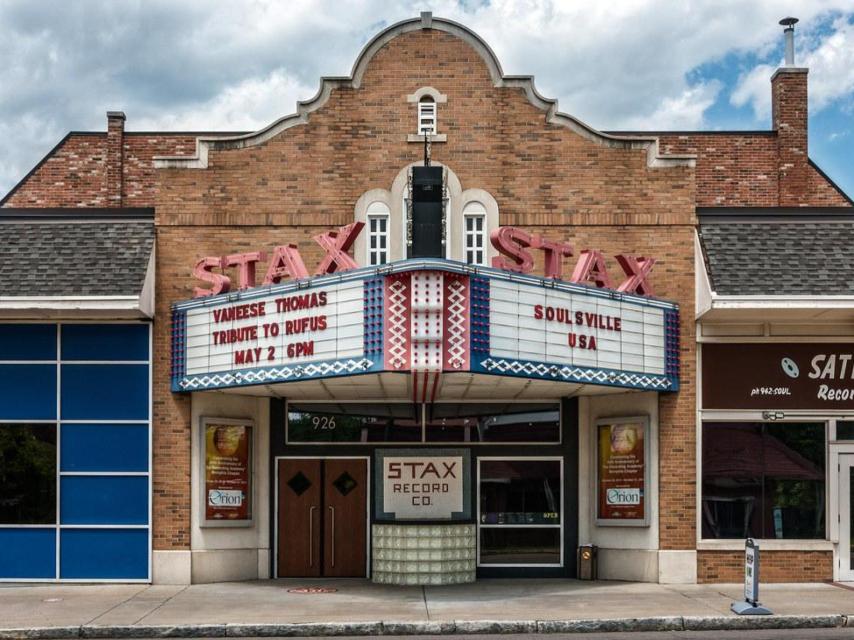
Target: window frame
<point>830,478</point>
<point>433,118</point>
<point>474,211</point>
<point>378,216</point>
<point>57,443</point>
<point>531,443</point>
<point>422,411</point>
<point>560,526</point>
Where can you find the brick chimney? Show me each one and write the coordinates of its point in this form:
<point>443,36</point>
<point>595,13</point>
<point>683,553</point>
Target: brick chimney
<point>789,114</point>
<point>115,157</point>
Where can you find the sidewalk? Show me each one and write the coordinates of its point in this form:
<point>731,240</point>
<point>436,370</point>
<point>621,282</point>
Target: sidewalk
<point>360,607</point>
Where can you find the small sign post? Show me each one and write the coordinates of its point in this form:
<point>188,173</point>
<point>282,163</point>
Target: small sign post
<point>751,605</point>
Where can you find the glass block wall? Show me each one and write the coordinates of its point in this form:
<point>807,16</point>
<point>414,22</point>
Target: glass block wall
<point>75,439</point>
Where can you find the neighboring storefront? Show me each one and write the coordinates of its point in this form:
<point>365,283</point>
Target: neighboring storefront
<point>422,364</point>
<point>776,393</point>
<point>75,411</point>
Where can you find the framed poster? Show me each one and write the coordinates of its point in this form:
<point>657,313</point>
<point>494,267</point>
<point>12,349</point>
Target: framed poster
<point>622,471</point>
<point>226,455</point>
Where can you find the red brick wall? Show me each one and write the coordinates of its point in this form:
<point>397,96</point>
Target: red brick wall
<point>760,169</point>
<point>736,170</point>
<point>743,170</point>
<point>74,175</point>
<point>140,181</point>
<point>733,170</point>
<point>77,173</point>
<point>776,566</point>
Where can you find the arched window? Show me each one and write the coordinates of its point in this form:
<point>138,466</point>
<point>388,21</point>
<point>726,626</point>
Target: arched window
<point>378,228</point>
<point>427,116</point>
<point>474,233</point>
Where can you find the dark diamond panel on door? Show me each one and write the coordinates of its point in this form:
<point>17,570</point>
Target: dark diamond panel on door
<point>345,483</point>
<point>299,483</point>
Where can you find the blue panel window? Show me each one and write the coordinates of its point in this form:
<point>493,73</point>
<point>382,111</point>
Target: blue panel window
<point>112,554</point>
<point>105,342</point>
<point>105,392</point>
<point>27,554</point>
<point>27,392</point>
<point>27,342</point>
<point>104,447</point>
<point>104,500</point>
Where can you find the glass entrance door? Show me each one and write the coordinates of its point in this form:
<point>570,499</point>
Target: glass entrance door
<point>846,518</point>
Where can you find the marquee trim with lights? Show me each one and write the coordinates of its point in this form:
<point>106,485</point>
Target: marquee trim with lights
<point>425,317</point>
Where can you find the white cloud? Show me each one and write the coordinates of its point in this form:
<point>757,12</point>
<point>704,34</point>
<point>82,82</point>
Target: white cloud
<point>830,59</point>
<point>753,88</point>
<point>685,111</point>
<point>245,106</point>
<point>218,64</point>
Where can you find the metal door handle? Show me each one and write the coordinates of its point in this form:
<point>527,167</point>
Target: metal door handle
<point>332,510</point>
<point>311,535</point>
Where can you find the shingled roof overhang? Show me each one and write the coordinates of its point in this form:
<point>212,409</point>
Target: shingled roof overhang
<point>77,263</point>
<point>770,262</point>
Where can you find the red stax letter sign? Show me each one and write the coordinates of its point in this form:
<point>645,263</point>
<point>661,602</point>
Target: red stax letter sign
<point>286,261</point>
<point>637,268</point>
<point>553,254</point>
<point>246,271</point>
<point>337,243</point>
<point>512,243</point>
<point>591,268</point>
<point>221,282</point>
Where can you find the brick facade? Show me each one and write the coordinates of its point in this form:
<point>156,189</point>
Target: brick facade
<point>546,177</point>
<point>746,170</point>
<point>83,169</point>
<point>776,566</point>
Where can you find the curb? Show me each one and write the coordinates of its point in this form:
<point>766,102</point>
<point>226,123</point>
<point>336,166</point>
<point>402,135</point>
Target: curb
<point>433,628</point>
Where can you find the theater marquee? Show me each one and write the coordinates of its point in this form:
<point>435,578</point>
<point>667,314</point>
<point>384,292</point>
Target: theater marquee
<point>427,318</point>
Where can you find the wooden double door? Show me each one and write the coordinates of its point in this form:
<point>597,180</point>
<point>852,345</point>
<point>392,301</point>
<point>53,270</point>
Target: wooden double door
<point>322,521</point>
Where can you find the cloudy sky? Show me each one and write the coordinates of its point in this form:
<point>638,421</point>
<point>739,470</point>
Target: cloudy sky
<point>238,65</point>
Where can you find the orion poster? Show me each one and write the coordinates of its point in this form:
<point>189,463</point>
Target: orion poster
<point>621,470</point>
<point>227,471</point>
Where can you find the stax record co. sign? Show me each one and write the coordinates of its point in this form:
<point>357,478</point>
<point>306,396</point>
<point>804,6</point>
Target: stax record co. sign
<point>515,248</point>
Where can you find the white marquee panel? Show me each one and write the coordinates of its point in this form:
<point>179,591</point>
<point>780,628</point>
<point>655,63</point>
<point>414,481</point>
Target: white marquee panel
<point>343,336</point>
<point>516,334</point>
